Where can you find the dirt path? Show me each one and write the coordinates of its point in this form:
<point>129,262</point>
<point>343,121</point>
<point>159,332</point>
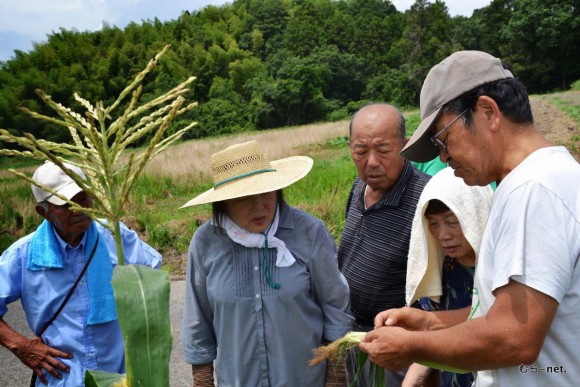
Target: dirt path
<point>556,125</point>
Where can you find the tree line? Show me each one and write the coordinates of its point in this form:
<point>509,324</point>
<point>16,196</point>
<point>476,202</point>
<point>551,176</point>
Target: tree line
<point>264,64</point>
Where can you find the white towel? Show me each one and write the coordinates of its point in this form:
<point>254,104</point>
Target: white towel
<point>471,207</point>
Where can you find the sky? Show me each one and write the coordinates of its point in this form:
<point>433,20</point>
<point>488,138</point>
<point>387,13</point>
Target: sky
<point>25,22</point>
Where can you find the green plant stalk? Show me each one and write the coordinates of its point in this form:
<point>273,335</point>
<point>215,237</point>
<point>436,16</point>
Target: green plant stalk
<point>118,244</point>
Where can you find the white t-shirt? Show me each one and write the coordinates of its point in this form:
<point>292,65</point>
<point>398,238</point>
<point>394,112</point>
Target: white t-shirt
<point>533,237</point>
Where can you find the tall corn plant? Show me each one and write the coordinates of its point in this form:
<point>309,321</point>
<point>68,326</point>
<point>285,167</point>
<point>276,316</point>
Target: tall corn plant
<point>99,141</point>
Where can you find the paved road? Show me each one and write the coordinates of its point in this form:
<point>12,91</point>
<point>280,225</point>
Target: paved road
<point>15,374</point>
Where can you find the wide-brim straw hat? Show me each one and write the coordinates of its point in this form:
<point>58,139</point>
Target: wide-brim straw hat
<point>243,170</point>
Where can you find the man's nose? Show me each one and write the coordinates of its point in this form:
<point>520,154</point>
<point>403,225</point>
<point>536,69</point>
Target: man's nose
<point>443,234</point>
<point>373,159</point>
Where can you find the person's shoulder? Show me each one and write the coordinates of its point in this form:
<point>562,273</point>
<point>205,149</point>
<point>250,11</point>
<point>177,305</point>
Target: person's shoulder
<point>301,218</point>
<point>552,168</point>
<point>298,213</point>
<point>357,183</point>
<point>206,232</point>
<point>415,179</point>
<point>419,176</point>
<point>18,247</point>
<point>205,228</point>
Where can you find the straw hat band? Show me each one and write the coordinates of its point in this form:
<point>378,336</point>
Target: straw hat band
<point>242,176</point>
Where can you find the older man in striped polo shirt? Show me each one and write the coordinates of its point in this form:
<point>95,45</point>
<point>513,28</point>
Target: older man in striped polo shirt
<point>374,245</point>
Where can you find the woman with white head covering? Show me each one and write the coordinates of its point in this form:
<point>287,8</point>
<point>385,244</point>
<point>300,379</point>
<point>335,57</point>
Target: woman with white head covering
<point>263,287</point>
<point>445,238</point>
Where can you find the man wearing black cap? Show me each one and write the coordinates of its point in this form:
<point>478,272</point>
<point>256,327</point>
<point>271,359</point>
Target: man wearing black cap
<point>374,244</point>
<point>522,328</point>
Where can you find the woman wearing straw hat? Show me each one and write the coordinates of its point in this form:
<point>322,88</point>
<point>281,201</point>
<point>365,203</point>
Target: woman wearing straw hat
<point>263,287</point>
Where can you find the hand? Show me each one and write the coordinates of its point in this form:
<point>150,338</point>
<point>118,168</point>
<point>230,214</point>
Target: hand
<point>388,347</point>
<point>417,375</point>
<point>39,356</point>
<point>409,318</point>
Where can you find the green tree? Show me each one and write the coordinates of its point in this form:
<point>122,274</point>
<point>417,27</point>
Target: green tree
<point>426,40</point>
<point>481,30</point>
<point>306,29</point>
<point>542,40</point>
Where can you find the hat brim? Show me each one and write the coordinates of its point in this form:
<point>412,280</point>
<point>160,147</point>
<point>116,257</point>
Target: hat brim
<point>69,191</point>
<point>419,148</point>
<point>287,171</point>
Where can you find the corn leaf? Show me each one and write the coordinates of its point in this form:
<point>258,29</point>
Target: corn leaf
<point>142,298</point>
<point>443,367</point>
<point>362,359</point>
<point>103,379</point>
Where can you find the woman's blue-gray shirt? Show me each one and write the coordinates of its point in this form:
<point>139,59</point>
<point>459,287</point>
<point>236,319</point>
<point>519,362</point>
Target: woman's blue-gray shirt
<point>257,335</point>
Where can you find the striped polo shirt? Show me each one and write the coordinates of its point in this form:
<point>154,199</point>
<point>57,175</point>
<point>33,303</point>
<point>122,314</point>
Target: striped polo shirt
<point>374,245</point>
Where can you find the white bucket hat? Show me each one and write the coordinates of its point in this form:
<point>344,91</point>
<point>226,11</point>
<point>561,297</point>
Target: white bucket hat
<point>243,170</point>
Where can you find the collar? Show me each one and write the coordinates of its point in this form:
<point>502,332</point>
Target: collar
<point>286,219</point>
<point>63,245</point>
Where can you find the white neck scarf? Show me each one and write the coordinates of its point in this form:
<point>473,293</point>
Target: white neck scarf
<point>284,258</point>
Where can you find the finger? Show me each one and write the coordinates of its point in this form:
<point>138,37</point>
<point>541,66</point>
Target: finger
<point>51,370</point>
<point>41,376</point>
<point>58,364</point>
<point>56,353</point>
<point>363,346</point>
<point>370,336</point>
<point>381,318</point>
<point>396,317</point>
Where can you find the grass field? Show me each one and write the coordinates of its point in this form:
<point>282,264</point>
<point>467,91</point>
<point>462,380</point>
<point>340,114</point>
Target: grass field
<point>183,171</point>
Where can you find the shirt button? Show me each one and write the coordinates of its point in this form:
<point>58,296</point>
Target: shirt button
<point>257,296</point>
<point>255,267</point>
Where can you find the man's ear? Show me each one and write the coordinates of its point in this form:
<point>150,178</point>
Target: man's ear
<point>41,211</point>
<point>490,110</point>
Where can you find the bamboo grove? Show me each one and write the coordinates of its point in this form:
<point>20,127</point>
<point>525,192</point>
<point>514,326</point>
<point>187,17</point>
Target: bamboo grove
<point>264,64</point>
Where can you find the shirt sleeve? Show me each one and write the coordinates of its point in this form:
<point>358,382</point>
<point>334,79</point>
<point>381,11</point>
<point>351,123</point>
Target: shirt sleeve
<point>199,345</point>
<point>11,275</point>
<point>136,251</point>
<point>329,285</point>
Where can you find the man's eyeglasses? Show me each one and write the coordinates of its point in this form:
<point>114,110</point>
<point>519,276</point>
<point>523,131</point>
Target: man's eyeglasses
<point>437,141</point>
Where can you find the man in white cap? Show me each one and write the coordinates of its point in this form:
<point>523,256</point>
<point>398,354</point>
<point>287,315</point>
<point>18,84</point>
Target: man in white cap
<point>40,270</point>
<point>522,328</point>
